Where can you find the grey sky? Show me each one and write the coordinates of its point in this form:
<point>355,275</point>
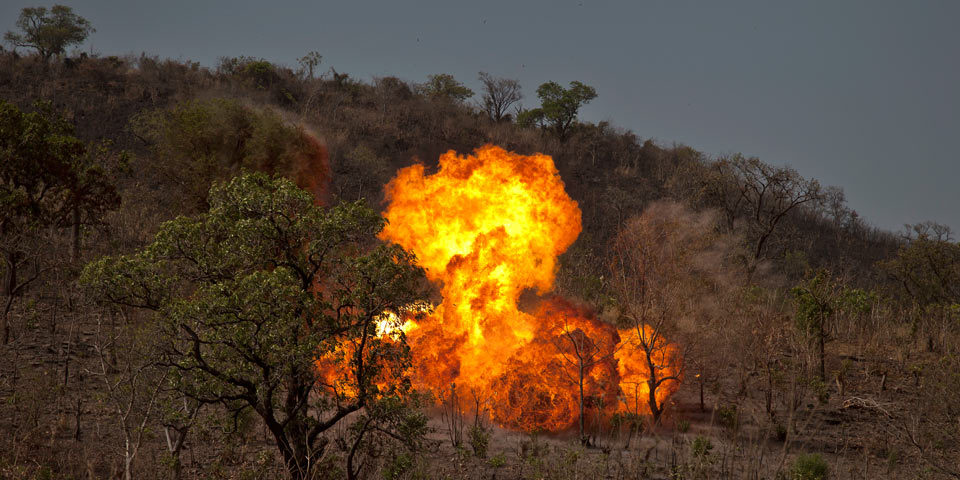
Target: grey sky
<point>864,95</point>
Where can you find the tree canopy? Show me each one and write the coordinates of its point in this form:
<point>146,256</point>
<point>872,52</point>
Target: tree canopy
<point>199,141</point>
<point>498,95</point>
<point>48,177</point>
<point>927,268</point>
<point>252,294</point>
<point>443,85</point>
<point>49,32</point>
<point>559,106</point>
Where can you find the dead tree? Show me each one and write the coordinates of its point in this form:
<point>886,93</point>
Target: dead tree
<point>581,352</point>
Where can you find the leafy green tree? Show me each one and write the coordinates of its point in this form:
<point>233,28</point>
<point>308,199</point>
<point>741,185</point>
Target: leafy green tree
<point>49,32</point>
<point>817,300</point>
<point>443,85</point>
<point>559,106</point>
<point>197,142</point>
<point>531,118</point>
<point>927,267</point>
<point>48,177</point>
<point>256,293</point>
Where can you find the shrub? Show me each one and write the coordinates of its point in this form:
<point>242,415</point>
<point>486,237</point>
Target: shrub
<point>727,417</point>
<point>809,467</point>
<point>479,440</point>
<point>701,447</point>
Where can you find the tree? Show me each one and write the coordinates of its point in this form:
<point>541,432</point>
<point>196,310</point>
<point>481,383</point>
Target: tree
<point>443,85</point>
<point>48,177</point>
<point>49,32</point>
<point>498,95</point>
<point>760,193</point>
<point>583,350</point>
<point>269,303</point>
<point>933,432</point>
<point>817,300</point>
<point>559,106</point>
<point>309,62</point>
<point>669,268</point>
<point>91,190</point>
<point>197,142</point>
<point>131,388</point>
<point>927,267</point>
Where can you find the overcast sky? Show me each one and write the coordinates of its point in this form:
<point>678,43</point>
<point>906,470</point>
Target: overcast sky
<point>864,95</point>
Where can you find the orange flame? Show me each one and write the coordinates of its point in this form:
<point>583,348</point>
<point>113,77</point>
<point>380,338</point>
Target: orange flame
<point>487,227</point>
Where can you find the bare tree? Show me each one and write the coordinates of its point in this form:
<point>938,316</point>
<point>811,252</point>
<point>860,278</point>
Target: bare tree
<point>132,390</point>
<point>499,94</point>
<point>760,193</point>
<point>669,268</point>
<point>582,351</point>
<point>179,417</point>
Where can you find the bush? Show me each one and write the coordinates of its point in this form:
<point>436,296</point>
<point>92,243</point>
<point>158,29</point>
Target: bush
<point>397,466</point>
<point>727,417</point>
<point>197,142</point>
<point>701,447</point>
<point>479,440</point>
<point>809,467</point>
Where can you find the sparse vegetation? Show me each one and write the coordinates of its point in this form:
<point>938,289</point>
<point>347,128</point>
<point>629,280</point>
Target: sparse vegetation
<point>800,326</point>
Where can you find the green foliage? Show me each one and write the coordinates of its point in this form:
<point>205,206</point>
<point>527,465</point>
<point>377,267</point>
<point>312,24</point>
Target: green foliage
<point>37,149</point>
<point>479,438</point>
<point>260,72</point>
<point>398,465</point>
<point>809,467</point>
<point>199,141</point>
<point>701,448</point>
<point>816,300</point>
<point>444,86</point>
<point>309,62</point>
<point>558,106</point>
<point>820,390</point>
<point>49,32</point>
<point>498,460</point>
<point>250,294</point>
<point>728,417</point>
<point>533,117</point>
<point>856,301</point>
<point>927,268</point>
<point>48,177</point>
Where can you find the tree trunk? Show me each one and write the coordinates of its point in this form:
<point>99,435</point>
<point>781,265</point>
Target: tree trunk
<point>4,324</point>
<point>655,410</point>
<point>76,233</point>
<point>769,392</point>
<point>582,438</point>
<point>820,348</point>
<point>127,461</point>
<point>9,289</point>
<point>294,455</point>
<point>702,408</point>
<point>10,283</point>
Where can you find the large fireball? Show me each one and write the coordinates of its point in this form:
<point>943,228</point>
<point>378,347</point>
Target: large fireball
<point>486,227</point>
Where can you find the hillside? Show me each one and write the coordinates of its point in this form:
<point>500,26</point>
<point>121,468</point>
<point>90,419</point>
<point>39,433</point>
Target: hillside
<point>804,330</point>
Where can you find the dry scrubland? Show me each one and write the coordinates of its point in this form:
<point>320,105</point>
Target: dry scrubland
<point>814,345</point>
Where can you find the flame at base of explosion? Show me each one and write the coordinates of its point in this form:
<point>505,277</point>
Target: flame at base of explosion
<point>486,227</point>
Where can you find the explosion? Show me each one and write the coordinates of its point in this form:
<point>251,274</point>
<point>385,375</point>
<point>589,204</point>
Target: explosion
<point>486,227</point>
